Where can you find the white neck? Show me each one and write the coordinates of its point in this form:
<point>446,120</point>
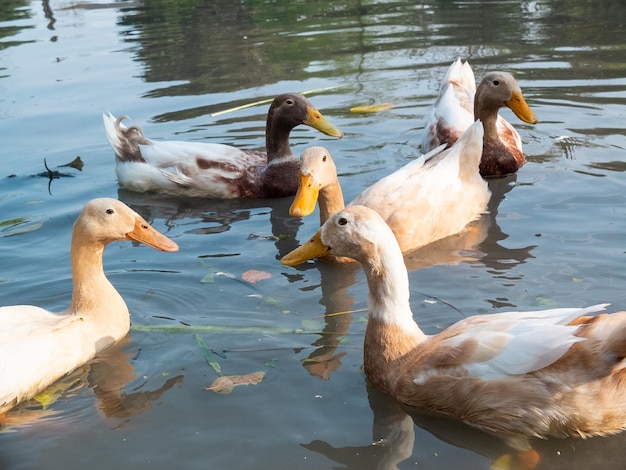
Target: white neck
<point>388,282</point>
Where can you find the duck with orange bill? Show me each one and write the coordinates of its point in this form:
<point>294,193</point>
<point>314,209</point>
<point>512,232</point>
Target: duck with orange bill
<point>460,103</point>
<point>549,373</point>
<point>212,170</point>
<point>37,346</point>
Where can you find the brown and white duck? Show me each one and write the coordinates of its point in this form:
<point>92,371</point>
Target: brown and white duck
<point>460,103</point>
<point>210,170</point>
<point>549,373</point>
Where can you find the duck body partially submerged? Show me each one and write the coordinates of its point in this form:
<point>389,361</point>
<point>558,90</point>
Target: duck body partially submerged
<point>212,170</point>
<point>460,103</point>
<point>38,346</point>
<point>428,199</point>
<point>549,373</point>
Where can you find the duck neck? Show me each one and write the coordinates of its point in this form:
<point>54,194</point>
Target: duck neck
<point>277,138</point>
<point>94,298</point>
<point>391,332</point>
<point>488,116</point>
<point>330,200</point>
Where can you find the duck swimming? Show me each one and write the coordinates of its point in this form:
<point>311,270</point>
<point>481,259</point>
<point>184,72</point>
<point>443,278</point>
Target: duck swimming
<point>549,373</point>
<point>210,170</point>
<point>37,346</point>
<point>428,199</point>
<point>460,103</point>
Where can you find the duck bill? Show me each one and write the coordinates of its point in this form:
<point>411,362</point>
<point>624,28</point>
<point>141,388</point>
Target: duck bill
<point>314,248</point>
<point>518,105</point>
<point>144,233</point>
<point>317,121</point>
<point>304,202</point>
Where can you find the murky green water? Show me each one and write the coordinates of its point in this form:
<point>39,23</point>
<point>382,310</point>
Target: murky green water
<point>555,234</point>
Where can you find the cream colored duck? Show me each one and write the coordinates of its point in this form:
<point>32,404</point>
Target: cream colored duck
<point>460,103</point>
<point>428,199</point>
<point>37,346</point>
<point>558,372</point>
<point>210,170</point>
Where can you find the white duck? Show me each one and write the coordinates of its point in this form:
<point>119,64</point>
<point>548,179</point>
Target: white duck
<point>199,169</point>
<point>428,199</point>
<point>460,103</point>
<point>558,372</point>
<point>37,346</point>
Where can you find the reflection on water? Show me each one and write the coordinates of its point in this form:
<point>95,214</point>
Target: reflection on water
<point>204,217</point>
<point>393,442</point>
<point>554,232</point>
<point>108,375</point>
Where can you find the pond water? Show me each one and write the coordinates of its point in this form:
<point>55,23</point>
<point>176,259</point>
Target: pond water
<point>555,234</point>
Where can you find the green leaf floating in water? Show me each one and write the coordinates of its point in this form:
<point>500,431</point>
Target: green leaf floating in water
<point>208,354</point>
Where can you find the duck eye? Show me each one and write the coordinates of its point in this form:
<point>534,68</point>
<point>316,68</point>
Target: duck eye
<point>324,158</point>
<point>110,211</point>
<point>342,221</point>
<point>496,82</point>
<point>289,101</point>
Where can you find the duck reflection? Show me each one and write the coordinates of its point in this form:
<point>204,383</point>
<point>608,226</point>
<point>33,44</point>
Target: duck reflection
<point>393,442</point>
<point>209,216</point>
<point>107,375</point>
<point>496,256</point>
<point>110,372</point>
<point>336,280</point>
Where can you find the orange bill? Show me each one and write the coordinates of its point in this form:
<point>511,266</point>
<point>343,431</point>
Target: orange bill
<point>518,105</point>
<point>144,233</point>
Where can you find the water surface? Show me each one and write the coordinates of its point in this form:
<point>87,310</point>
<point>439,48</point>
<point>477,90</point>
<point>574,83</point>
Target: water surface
<point>554,235</point>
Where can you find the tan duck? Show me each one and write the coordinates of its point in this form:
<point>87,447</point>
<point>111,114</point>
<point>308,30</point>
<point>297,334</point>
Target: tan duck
<point>37,346</point>
<point>200,169</point>
<point>460,103</point>
<point>557,372</point>
<point>428,199</point>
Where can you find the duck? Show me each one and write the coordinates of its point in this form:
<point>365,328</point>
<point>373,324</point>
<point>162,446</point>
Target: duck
<point>212,170</point>
<point>428,199</point>
<point>37,346</point>
<point>550,373</point>
<point>460,103</point>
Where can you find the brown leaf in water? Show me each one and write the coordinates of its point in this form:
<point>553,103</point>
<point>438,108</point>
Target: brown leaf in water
<point>226,383</point>
<point>253,276</point>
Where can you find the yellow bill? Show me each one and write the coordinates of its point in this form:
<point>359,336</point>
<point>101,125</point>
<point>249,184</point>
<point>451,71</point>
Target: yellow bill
<point>319,122</point>
<point>314,248</point>
<point>306,197</point>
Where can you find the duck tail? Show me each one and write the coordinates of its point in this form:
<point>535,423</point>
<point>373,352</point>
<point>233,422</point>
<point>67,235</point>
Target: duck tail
<point>470,147</point>
<point>460,73</point>
<point>609,330</point>
<point>124,140</point>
